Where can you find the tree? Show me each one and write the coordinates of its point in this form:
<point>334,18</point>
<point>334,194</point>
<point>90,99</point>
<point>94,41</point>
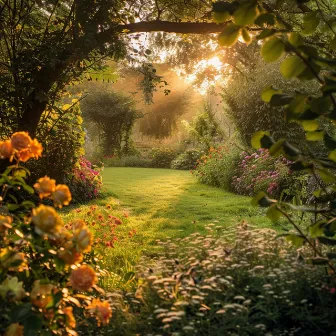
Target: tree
<point>114,114</point>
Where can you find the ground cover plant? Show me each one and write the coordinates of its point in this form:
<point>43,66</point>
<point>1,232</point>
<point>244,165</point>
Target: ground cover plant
<point>218,284</point>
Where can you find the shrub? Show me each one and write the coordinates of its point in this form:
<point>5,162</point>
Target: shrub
<point>218,167</point>
<point>187,160</point>
<point>210,285</point>
<point>162,157</point>
<point>127,161</point>
<point>85,181</point>
<point>47,274</point>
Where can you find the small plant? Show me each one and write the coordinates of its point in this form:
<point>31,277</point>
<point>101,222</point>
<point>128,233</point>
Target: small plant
<point>48,272</point>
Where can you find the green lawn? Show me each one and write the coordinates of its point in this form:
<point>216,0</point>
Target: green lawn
<point>162,204</point>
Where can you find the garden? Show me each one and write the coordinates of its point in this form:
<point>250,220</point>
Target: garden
<point>167,167</point>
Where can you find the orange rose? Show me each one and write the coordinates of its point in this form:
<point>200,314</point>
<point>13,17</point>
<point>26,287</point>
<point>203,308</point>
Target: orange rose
<point>69,317</point>
<point>61,196</point>
<point>41,294</point>
<point>71,256</point>
<point>6,149</point>
<point>36,149</point>
<point>83,278</point>
<point>46,220</point>
<point>83,239</point>
<point>21,141</point>
<point>45,186</point>
<point>102,311</point>
<point>15,329</point>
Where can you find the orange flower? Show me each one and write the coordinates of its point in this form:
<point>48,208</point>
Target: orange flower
<point>45,186</point>
<point>71,256</point>
<point>6,149</point>
<point>41,294</point>
<point>69,317</point>
<point>15,329</point>
<point>102,311</point>
<point>83,239</point>
<point>36,149</point>
<point>46,220</point>
<point>61,196</point>
<point>21,141</point>
<point>83,278</point>
<point>24,155</point>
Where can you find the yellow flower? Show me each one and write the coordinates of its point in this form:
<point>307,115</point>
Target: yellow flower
<point>15,329</point>
<point>61,196</point>
<point>83,278</point>
<point>69,317</point>
<point>6,149</point>
<point>46,220</point>
<point>102,311</point>
<point>45,186</point>
<point>5,223</point>
<point>41,294</point>
<point>83,239</point>
<point>21,141</point>
<point>12,260</point>
<point>13,289</point>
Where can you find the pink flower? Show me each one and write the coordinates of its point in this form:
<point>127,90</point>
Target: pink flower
<point>332,290</point>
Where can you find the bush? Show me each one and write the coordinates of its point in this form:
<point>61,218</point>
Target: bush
<point>127,161</point>
<point>187,160</point>
<point>85,182</point>
<point>48,278</point>
<point>218,167</point>
<point>206,285</point>
<point>162,157</point>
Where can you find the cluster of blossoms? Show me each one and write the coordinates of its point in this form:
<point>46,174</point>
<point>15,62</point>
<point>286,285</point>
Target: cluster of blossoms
<point>259,171</point>
<point>41,259</point>
<point>88,175</point>
<point>21,147</point>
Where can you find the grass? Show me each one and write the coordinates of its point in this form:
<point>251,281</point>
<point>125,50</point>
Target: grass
<point>159,204</point>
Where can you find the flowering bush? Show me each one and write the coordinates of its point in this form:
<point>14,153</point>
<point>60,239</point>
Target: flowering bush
<point>46,272</point>
<point>260,171</point>
<point>208,285</point>
<point>218,166</point>
<point>85,181</point>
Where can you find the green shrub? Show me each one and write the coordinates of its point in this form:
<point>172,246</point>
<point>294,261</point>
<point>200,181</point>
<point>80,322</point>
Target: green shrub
<point>127,161</point>
<point>210,285</point>
<point>162,157</point>
<point>187,160</point>
<point>218,167</point>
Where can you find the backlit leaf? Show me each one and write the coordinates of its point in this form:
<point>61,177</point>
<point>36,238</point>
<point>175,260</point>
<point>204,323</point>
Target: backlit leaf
<point>229,35</point>
<point>292,66</point>
<point>246,13</point>
<point>272,49</point>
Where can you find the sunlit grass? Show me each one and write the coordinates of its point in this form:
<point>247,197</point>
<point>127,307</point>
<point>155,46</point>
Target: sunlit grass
<point>159,204</point>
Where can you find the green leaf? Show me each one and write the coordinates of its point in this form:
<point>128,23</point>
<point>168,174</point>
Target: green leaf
<point>317,229</point>
<point>297,241</point>
<point>290,152</point>
<point>280,99</point>
<point>321,105</point>
<point>315,136</point>
<point>295,39</point>
<point>329,141</point>
<point>268,92</point>
<point>262,200</point>
<point>257,137</point>
<point>310,125</point>
<point>326,175</point>
<point>21,312</point>
<point>333,44</point>
<point>310,23</point>
<point>265,19</point>
<point>266,33</point>
<point>32,325</point>
<point>28,188</point>
<point>332,155</point>
<point>246,13</point>
<point>246,36</point>
<point>327,241</point>
<point>229,35</point>
<point>276,149</point>
<point>272,49</point>
<point>273,213</point>
<point>221,17</point>
<point>292,66</point>
<point>12,207</point>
